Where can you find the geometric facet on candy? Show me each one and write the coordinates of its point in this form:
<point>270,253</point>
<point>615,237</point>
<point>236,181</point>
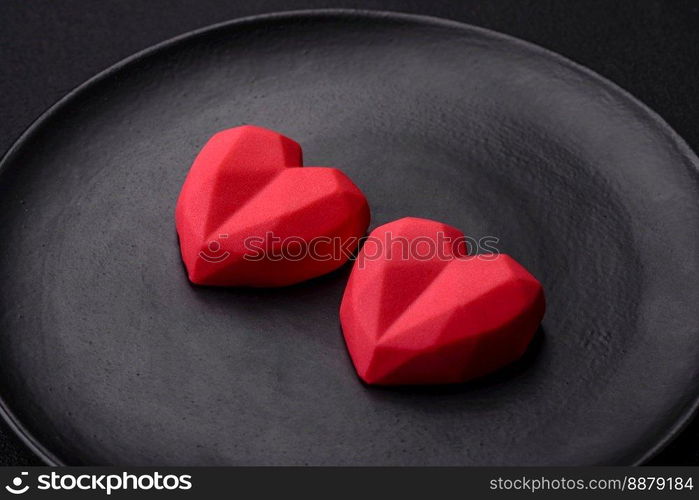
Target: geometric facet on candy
<point>246,185</point>
<point>441,318</point>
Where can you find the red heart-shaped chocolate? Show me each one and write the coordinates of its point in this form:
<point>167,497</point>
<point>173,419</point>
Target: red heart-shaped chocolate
<point>418,310</point>
<point>247,215</point>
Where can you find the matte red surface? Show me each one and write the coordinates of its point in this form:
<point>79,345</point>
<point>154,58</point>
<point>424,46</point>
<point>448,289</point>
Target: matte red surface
<point>415,317</point>
<point>248,215</point>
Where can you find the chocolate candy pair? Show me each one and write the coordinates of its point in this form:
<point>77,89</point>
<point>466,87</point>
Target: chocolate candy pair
<point>418,309</point>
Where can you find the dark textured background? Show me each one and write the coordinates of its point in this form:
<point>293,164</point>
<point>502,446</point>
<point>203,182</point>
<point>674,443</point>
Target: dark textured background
<point>650,48</point>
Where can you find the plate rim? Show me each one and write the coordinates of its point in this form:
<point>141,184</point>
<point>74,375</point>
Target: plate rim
<point>43,452</point>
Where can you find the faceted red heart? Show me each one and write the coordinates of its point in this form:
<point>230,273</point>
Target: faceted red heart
<point>418,310</point>
<point>247,215</point>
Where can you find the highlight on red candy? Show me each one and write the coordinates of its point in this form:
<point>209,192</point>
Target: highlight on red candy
<point>250,214</point>
<point>419,310</point>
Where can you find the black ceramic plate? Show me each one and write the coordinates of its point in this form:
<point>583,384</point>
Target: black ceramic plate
<point>108,355</point>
